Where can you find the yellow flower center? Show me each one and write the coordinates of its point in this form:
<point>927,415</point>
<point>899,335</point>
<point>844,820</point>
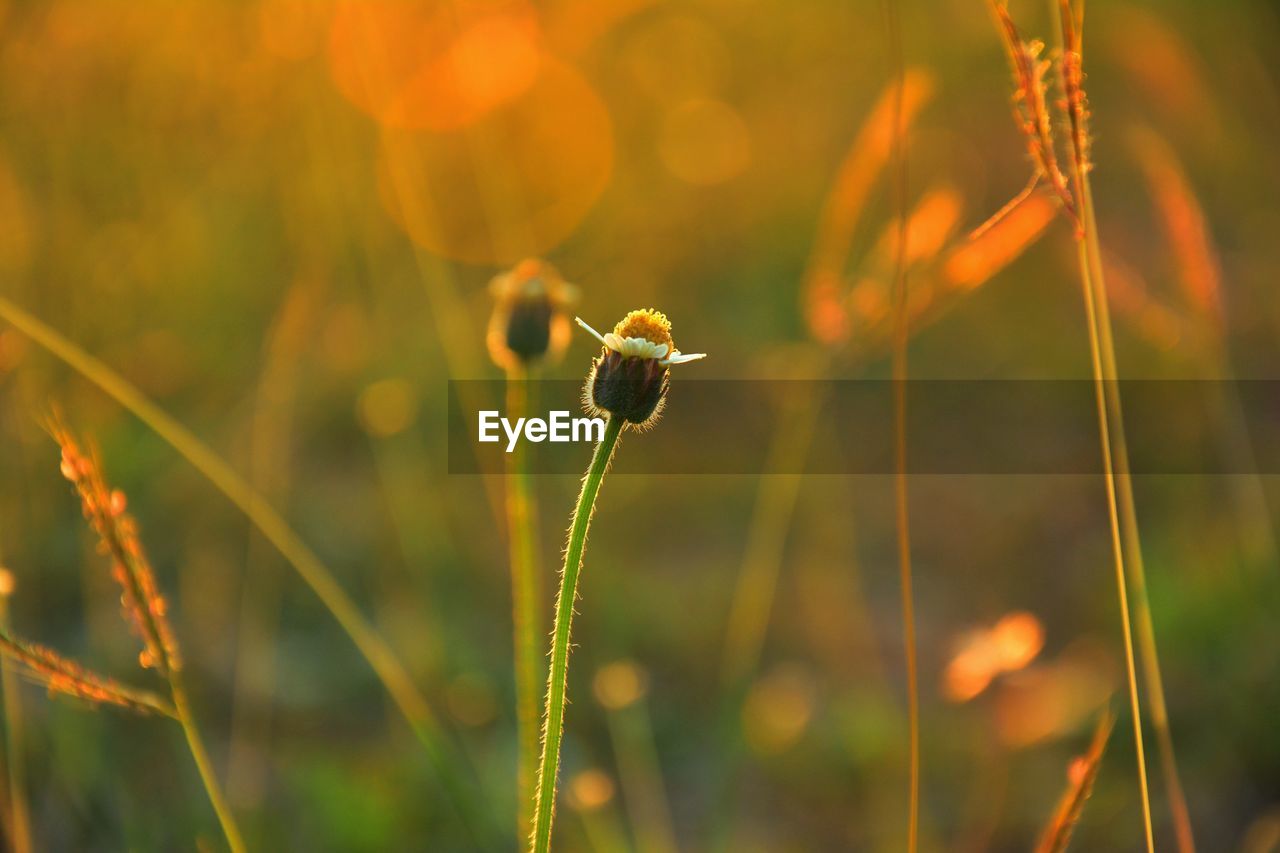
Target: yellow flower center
<point>646,323</point>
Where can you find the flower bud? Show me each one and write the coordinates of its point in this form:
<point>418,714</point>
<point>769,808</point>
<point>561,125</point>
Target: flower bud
<point>529,324</point>
<point>630,378</point>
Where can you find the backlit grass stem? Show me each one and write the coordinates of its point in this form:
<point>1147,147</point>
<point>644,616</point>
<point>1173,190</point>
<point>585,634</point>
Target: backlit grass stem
<point>901,330</point>
<point>19,815</point>
<point>1069,26</point>
<point>1033,113</point>
<point>545,802</point>
<point>1117,551</point>
<point>526,593</point>
<point>1135,565</point>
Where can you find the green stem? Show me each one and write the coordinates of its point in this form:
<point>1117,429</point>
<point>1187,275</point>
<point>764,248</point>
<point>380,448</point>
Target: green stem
<point>526,592</point>
<point>185,717</point>
<point>545,801</point>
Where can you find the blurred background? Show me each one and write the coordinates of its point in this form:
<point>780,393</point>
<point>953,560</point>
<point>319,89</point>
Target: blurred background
<point>279,219</point>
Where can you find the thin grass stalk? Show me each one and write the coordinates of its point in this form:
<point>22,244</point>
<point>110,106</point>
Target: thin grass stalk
<point>603,831</point>
<point>449,314</point>
<point>901,331</point>
<point>1033,113</point>
<point>640,777</point>
<point>553,729</point>
<point>259,512</point>
<point>269,471</point>
<point>1147,646</point>
<point>1135,564</point>
<point>226,819</point>
<point>19,814</point>
<point>1100,394</point>
<point>526,592</point>
<point>1069,26</point>
<point>757,583</point>
<point>766,535</point>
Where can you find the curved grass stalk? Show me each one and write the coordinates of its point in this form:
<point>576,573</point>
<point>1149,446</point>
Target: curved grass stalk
<point>269,469</point>
<point>553,729</point>
<point>313,572</point>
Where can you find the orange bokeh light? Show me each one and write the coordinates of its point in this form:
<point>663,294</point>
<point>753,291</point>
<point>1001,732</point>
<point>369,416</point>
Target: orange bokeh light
<point>976,261</point>
<point>513,185</point>
<point>985,653</point>
<point>433,66</point>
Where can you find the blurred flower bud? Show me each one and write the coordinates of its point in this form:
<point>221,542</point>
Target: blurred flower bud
<point>530,323</point>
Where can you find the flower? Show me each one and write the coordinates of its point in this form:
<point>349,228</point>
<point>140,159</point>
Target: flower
<point>630,377</point>
<point>529,322</point>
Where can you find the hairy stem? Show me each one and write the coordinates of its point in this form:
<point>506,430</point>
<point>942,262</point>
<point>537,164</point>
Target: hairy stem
<point>553,729</point>
<point>526,593</point>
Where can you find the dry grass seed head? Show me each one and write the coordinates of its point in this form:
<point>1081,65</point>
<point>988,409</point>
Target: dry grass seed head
<point>1075,103</point>
<point>68,678</point>
<point>1081,775</point>
<point>106,511</point>
<point>1031,107</point>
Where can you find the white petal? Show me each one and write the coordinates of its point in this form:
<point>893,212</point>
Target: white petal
<point>635,347</point>
<point>681,358</point>
<point>613,342</point>
<point>597,335</point>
